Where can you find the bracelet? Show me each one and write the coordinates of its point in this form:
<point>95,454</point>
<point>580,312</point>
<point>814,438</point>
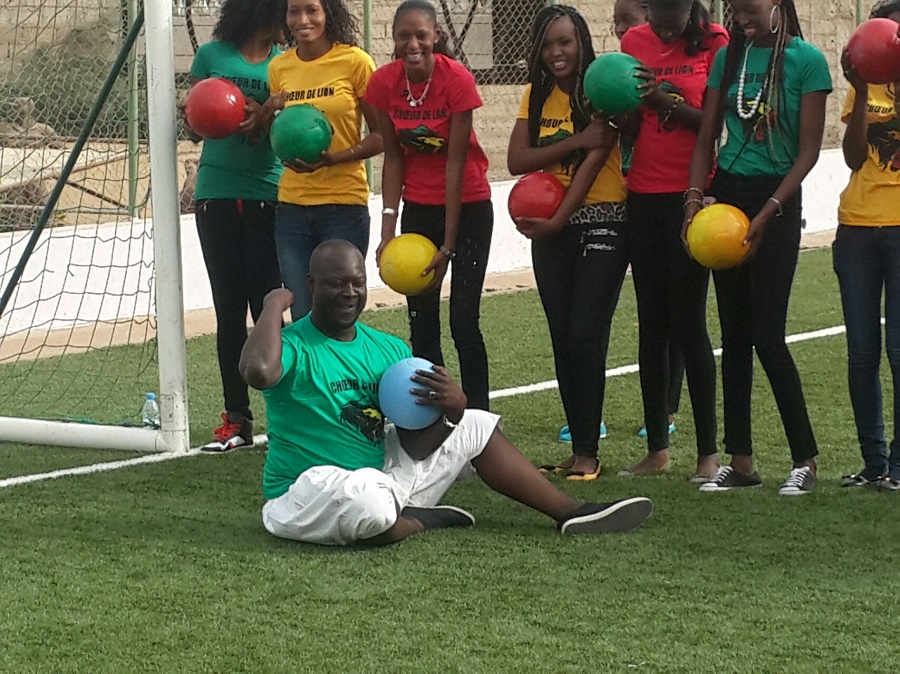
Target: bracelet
<point>692,189</point>
<point>693,201</point>
<point>777,203</point>
<point>389,211</point>
<point>449,254</point>
<point>666,117</point>
<point>448,423</point>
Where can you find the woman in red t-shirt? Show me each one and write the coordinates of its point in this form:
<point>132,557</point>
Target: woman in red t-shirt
<point>425,101</point>
<point>677,48</point>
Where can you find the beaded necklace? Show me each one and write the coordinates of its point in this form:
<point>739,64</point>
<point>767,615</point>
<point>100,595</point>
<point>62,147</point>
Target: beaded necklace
<point>756,102</point>
<point>415,102</point>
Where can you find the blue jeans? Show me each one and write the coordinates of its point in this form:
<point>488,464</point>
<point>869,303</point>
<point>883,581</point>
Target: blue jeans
<point>299,229</point>
<point>867,262</point>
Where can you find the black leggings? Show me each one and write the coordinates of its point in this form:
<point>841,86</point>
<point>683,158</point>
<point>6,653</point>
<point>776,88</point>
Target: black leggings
<point>473,244</point>
<point>671,291</point>
<point>753,305</point>
<point>579,274</point>
<point>237,238</point>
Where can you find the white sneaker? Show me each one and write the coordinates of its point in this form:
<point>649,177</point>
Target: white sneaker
<point>800,481</point>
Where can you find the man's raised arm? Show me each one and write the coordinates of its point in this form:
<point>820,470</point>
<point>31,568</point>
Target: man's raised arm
<point>261,358</point>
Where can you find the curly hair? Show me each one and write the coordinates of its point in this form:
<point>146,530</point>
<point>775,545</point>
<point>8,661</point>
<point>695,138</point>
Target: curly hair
<point>239,20</point>
<point>340,24</point>
<point>884,9</point>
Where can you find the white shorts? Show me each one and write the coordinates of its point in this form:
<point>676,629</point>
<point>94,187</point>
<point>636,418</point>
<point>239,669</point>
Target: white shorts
<point>333,506</point>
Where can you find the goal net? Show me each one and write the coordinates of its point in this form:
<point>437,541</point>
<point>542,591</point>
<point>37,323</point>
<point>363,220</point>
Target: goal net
<point>80,334</point>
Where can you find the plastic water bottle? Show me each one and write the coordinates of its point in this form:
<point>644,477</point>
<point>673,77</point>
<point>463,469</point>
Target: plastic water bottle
<point>150,412</point>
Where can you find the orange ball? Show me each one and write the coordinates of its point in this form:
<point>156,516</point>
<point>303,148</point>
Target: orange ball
<point>716,236</point>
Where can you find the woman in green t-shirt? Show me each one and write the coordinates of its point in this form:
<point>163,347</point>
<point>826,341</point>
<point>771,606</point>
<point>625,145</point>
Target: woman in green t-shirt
<point>236,194</point>
<point>769,88</point>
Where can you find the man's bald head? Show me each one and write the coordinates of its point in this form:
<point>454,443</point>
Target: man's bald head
<point>337,283</point>
<point>333,254</point>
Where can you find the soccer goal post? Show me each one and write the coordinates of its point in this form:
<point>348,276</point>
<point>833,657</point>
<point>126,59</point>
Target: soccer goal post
<point>92,310</point>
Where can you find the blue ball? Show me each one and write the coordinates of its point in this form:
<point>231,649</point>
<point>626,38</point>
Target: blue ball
<point>397,403</point>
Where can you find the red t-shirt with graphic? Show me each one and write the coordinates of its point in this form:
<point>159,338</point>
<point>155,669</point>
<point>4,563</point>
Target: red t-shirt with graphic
<point>662,151</point>
<point>423,130</point>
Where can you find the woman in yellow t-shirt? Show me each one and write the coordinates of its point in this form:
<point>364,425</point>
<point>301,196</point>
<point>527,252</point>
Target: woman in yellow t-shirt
<point>578,255</point>
<point>867,261</point>
<point>328,199</point>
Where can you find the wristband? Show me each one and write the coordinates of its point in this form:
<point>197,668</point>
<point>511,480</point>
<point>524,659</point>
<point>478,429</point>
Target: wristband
<point>449,254</point>
<point>449,424</point>
<point>693,201</point>
<point>777,203</point>
<point>389,211</point>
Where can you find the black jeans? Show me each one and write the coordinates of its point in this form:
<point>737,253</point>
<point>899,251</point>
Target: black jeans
<point>671,291</point>
<point>579,274</point>
<point>753,305</point>
<point>237,238</point>
<point>473,244</point>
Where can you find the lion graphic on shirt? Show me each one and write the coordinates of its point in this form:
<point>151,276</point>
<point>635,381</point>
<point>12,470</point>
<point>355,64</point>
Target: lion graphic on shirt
<point>421,139</point>
<point>884,139</point>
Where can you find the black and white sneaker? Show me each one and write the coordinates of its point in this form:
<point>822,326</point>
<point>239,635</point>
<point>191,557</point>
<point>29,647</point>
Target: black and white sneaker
<point>439,517</point>
<point>607,518</point>
<point>727,478</point>
<point>862,479</point>
<point>800,481</point>
<point>888,484</point>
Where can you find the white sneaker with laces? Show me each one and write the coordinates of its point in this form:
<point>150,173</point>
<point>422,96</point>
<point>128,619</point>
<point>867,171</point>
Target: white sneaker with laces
<point>800,481</point>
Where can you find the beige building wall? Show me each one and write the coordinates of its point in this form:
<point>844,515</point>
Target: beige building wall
<point>826,23</point>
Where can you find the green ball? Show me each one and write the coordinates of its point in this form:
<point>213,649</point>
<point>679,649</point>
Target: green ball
<point>610,83</point>
<point>300,132</point>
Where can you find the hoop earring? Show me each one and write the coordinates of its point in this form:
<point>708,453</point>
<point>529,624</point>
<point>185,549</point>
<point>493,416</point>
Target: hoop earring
<point>773,26</point>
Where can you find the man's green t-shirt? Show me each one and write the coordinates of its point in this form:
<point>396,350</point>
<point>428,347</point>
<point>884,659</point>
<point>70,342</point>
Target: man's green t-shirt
<point>236,167</point>
<point>324,411</point>
<point>753,146</point>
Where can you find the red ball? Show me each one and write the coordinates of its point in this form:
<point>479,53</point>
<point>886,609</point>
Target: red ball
<point>214,108</point>
<point>874,51</point>
<point>535,195</point>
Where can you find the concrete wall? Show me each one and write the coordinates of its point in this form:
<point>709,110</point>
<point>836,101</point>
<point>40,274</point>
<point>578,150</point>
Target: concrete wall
<point>827,24</point>
<point>65,258</point>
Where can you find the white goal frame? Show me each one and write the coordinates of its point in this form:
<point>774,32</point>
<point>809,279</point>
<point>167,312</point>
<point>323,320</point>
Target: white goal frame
<point>174,434</point>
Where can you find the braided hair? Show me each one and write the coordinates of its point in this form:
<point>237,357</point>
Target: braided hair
<point>788,27</point>
<point>698,30</point>
<point>773,86</point>
<point>240,20</point>
<point>542,81</point>
<point>440,45</point>
<point>884,9</point>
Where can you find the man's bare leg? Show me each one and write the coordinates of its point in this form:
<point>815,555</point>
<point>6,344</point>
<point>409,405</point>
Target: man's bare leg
<point>506,470</point>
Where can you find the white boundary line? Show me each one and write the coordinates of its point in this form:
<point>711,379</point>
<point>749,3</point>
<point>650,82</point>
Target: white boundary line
<point>631,369</point>
<point>261,439</point>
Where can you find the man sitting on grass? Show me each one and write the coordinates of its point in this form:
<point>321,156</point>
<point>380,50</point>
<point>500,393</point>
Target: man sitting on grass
<point>335,474</point>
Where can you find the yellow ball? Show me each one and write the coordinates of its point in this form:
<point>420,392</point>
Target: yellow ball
<point>404,259</point>
<point>716,236</point>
